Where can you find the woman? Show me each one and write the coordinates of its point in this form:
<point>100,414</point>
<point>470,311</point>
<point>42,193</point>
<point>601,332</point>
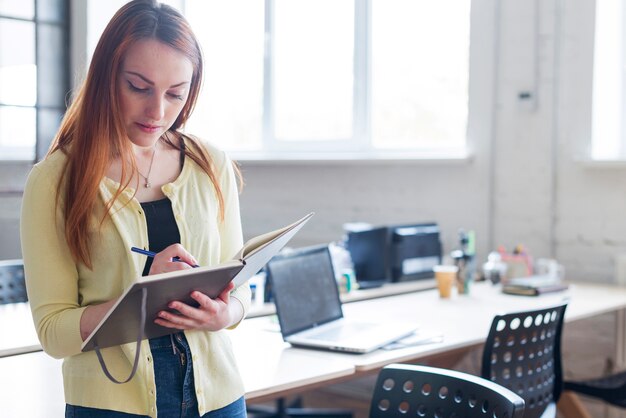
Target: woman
<point>119,174</point>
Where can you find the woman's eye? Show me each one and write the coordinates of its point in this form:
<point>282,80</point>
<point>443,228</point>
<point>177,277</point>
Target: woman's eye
<point>137,89</point>
<point>177,96</point>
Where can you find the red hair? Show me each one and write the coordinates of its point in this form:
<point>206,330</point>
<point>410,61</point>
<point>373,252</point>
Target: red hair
<point>92,132</point>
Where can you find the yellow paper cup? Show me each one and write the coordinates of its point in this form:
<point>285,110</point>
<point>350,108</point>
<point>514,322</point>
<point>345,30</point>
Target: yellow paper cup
<point>445,276</point>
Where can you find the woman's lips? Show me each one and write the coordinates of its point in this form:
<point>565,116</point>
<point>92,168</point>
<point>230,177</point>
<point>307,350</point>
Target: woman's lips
<point>150,129</point>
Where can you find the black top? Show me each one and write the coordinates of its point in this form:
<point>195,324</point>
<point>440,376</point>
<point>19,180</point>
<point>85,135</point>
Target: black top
<point>162,227</point>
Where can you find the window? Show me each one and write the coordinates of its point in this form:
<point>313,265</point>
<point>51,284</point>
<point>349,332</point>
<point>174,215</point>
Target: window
<point>33,75</point>
<point>358,77</point>
<point>609,89</point>
<point>419,87</point>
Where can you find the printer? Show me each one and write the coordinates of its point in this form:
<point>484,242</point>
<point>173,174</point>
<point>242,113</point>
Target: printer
<point>413,251</point>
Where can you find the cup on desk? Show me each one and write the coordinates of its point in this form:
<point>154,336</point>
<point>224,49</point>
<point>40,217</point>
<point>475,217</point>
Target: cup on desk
<point>445,276</point>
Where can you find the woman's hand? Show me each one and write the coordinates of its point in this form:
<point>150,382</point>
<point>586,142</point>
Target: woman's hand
<point>164,262</point>
<point>210,315</point>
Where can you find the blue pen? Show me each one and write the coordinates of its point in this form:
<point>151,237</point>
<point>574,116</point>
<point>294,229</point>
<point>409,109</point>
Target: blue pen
<point>152,254</point>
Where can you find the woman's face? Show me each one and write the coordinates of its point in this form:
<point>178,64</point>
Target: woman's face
<point>153,88</point>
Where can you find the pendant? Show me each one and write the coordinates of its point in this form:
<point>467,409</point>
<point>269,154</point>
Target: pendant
<point>147,185</point>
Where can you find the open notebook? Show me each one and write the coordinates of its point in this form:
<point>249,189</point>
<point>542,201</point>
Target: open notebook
<point>309,309</point>
<point>130,319</point>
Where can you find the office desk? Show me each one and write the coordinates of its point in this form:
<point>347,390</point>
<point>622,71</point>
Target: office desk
<point>32,384</point>
<point>465,320</point>
<point>16,319</point>
<point>272,369</point>
<point>17,331</point>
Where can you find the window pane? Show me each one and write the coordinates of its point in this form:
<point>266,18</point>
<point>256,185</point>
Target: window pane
<point>49,122</point>
<point>420,87</point>
<point>230,109</point>
<point>608,86</point>
<point>17,132</point>
<point>18,73</point>
<point>313,53</point>
<point>18,8</point>
<point>52,65</point>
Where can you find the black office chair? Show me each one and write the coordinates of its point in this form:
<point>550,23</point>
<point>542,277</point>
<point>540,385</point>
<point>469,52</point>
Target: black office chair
<point>404,390</point>
<point>611,389</point>
<point>12,286</point>
<point>523,353</point>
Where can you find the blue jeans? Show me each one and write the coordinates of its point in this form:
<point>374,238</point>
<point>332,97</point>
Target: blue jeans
<point>176,395</point>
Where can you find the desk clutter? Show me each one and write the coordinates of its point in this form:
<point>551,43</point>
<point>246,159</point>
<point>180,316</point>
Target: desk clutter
<point>369,256</point>
<point>515,272</point>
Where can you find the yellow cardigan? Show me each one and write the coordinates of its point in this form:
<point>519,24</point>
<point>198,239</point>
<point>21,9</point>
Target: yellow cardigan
<point>59,289</point>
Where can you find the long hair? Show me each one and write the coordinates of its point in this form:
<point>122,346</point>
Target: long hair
<point>92,132</point>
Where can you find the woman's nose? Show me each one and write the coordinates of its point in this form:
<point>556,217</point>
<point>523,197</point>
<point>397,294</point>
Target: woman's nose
<point>156,108</point>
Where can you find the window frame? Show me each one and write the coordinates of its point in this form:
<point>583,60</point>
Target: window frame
<point>359,147</point>
<point>44,130</point>
<point>607,77</point>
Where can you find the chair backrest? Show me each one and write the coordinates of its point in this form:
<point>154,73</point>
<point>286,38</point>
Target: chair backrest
<point>523,353</point>
<point>12,286</point>
<point>404,390</point>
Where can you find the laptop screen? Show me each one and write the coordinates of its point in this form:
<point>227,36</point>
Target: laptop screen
<point>304,288</point>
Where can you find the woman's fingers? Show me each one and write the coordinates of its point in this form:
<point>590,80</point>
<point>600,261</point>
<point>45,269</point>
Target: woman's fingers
<point>164,261</point>
<point>178,251</point>
<point>211,314</point>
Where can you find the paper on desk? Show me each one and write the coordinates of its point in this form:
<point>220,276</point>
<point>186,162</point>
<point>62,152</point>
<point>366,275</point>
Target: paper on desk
<point>417,338</point>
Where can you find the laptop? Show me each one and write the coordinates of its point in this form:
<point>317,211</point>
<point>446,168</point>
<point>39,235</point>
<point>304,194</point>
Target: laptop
<point>309,309</point>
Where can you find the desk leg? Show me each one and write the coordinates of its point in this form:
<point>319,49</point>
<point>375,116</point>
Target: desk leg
<point>620,352</point>
<point>620,343</point>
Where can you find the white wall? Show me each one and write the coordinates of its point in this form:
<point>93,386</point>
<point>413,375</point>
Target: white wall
<point>526,182</point>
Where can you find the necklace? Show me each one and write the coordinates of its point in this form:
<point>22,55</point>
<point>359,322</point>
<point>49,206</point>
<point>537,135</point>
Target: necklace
<point>147,184</point>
